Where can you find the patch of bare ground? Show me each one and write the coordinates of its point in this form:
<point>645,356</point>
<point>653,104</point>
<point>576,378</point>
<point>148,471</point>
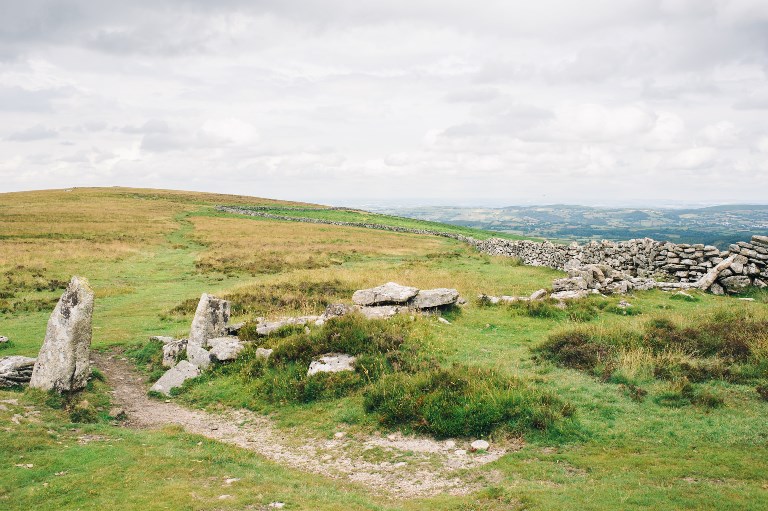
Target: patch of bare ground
<point>395,465</point>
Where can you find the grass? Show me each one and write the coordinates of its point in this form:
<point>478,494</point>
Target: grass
<point>142,251</point>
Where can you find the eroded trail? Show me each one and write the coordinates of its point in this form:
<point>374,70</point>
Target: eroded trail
<point>397,466</point>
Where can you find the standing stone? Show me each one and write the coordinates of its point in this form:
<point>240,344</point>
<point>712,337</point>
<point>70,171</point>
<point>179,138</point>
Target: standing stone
<point>63,363</point>
<point>211,318</point>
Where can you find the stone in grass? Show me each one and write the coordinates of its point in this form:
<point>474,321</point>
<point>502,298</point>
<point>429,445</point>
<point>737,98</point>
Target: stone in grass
<point>389,293</point>
<point>479,445</point>
<point>224,349</point>
<point>15,370</point>
<point>332,363</point>
<point>538,295</point>
<point>379,312</point>
<point>686,297</point>
<point>263,352</point>
<point>431,298</point>
<point>63,363</point>
<point>570,295</point>
<point>172,351</point>
<point>4,340</point>
<point>175,377</point>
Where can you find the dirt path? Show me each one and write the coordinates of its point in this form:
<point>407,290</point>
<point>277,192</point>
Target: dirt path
<point>396,465</point>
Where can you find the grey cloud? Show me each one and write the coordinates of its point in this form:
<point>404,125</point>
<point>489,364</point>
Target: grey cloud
<point>149,126</point>
<point>19,99</point>
<point>37,132</point>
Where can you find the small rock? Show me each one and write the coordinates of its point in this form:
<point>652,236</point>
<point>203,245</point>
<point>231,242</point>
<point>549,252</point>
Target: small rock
<point>538,295</point>
<point>231,480</point>
<point>15,370</point>
<point>175,377</point>
<point>225,497</point>
<point>479,445</point>
<point>4,339</point>
<point>117,413</point>
<point>173,350</point>
<point>450,444</point>
<point>747,299</point>
<point>339,434</point>
<point>379,312</point>
<point>263,352</point>
<point>460,452</point>
<point>624,304</point>
<point>444,321</point>
<point>277,505</point>
<point>332,363</point>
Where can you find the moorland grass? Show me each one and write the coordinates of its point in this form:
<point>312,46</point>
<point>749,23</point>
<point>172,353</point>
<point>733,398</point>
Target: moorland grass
<point>634,451</point>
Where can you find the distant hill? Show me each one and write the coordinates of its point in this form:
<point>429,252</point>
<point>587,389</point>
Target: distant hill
<point>717,225</point>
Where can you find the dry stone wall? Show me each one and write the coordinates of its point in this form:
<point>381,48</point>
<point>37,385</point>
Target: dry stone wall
<point>684,263</point>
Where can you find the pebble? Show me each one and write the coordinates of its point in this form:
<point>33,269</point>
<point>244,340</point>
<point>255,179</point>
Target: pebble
<point>444,321</point>
<point>450,444</point>
<point>277,505</point>
<point>224,497</point>
<point>480,445</point>
<point>339,434</point>
<point>231,480</point>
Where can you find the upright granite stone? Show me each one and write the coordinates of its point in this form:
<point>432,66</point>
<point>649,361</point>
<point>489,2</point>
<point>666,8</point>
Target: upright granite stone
<point>211,319</point>
<point>63,363</point>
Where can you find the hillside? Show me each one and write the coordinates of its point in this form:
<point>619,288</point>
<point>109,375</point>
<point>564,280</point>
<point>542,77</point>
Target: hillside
<point>716,225</point>
<point>646,406</point>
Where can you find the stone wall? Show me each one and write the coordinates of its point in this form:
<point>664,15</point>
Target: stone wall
<point>640,257</point>
<point>647,258</point>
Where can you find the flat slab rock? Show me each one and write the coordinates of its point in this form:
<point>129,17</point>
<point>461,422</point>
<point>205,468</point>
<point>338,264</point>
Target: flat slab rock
<point>175,377</point>
<point>431,298</point>
<point>15,370</point>
<point>332,363</point>
<point>267,327</point>
<point>389,293</point>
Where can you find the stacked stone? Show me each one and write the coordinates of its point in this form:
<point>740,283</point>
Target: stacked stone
<point>749,266</point>
<point>686,263</point>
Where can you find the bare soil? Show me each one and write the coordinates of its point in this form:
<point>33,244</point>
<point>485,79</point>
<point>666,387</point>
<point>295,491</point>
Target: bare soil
<point>396,465</point>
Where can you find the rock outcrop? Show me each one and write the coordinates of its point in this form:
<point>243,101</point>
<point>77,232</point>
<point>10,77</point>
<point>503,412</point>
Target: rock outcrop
<point>332,363</point>
<point>175,377</point>
<point>15,370</point>
<point>63,363</point>
<point>210,321</point>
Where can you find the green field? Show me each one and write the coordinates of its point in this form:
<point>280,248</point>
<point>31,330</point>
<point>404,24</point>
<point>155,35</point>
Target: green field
<point>149,254</point>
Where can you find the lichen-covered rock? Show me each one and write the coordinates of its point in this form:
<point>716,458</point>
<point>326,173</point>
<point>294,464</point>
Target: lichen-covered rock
<point>538,295</point>
<point>224,349</point>
<point>173,351</point>
<point>735,284</point>
<point>4,339</point>
<point>175,377</point>
<point>570,295</point>
<point>386,294</point>
<point>431,298</point>
<point>263,352</point>
<point>15,370</point>
<point>63,363</point>
<point>332,363</point>
<point>210,321</point>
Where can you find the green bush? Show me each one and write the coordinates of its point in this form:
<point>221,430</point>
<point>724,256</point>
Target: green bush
<point>462,401</point>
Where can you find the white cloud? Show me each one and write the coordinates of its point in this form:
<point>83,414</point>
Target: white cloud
<point>342,100</point>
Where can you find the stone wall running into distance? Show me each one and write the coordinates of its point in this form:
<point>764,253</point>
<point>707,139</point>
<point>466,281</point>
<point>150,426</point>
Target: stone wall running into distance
<point>667,261</point>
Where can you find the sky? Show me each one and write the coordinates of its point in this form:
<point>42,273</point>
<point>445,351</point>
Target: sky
<point>350,102</point>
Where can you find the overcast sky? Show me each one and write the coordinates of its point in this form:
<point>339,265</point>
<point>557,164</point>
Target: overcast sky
<point>405,101</point>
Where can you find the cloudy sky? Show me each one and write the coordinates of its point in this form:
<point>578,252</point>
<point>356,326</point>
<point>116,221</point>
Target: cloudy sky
<point>406,101</point>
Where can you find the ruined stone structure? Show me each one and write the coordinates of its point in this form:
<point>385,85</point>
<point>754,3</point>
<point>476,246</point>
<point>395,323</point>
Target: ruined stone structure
<point>647,258</point>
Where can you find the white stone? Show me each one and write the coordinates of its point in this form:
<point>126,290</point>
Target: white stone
<point>175,377</point>
<point>570,295</point>
<point>389,293</point>
<point>63,363</point>
<point>539,295</point>
<point>480,445</point>
<point>263,352</point>
<point>332,363</point>
<point>172,351</point>
<point>444,321</point>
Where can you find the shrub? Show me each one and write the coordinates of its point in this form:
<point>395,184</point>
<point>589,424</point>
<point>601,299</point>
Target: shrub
<point>575,349</point>
<point>462,401</point>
